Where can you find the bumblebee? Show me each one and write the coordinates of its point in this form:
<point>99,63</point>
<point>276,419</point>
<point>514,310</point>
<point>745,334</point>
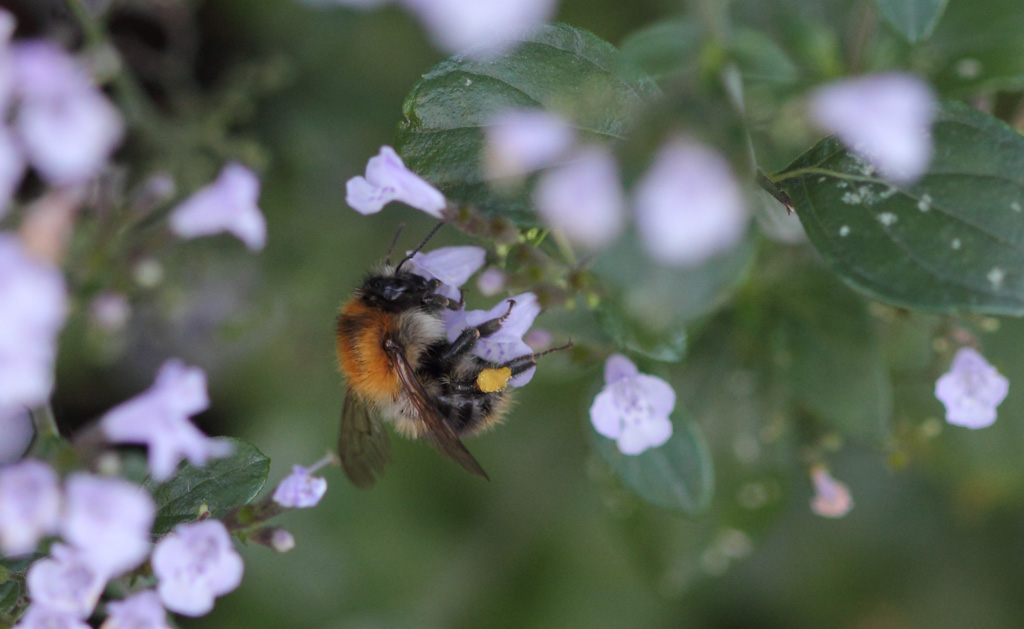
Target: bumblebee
<point>399,366</point>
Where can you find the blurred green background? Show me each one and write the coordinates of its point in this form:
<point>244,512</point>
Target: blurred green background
<point>552,540</point>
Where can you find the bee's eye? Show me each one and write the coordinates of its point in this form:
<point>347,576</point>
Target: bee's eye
<point>392,292</point>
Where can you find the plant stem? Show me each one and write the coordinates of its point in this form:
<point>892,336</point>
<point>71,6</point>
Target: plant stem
<point>44,421</point>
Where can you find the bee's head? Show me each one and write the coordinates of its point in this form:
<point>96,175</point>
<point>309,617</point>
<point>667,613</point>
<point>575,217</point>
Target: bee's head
<point>395,292</point>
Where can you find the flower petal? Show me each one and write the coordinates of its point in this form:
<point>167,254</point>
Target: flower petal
<point>226,205</point>
<point>451,265</point>
<point>605,415</point>
<point>583,199</point>
<point>618,367</point>
<point>387,179</point>
<point>521,141</point>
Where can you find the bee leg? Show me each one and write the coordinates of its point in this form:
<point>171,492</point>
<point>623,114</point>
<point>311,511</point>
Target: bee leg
<point>468,338</point>
<point>521,364</point>
<point>433,301</point>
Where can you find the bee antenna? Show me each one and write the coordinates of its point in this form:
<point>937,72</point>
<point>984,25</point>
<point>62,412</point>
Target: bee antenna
<point>394,241</point>
<point>552,350</point>
<point>419,246</point>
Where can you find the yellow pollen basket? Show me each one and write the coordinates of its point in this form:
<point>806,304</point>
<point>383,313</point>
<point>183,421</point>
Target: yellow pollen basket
<point>492,380</point>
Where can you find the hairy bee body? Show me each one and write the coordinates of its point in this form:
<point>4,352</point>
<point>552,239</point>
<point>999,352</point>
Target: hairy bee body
<point>450,383</point>
<point>400,367</point>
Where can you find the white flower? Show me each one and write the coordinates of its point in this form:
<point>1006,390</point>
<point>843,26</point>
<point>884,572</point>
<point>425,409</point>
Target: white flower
<point>108,520</point>
<point>194,564</point>
<point>452,266</point>
<point>226,205</point>
<point>971,390</point>
<point>387,179</point>
<point>17,431</point>
<point>688,205</point>
<point>632,408</point>
<point>300,489</point>
<point>521,141</point>
<point>29,505</point>
<point>41,617</point>
<point>479,27</point>
<point>831,498</point>
<point>139,611</point>
<point>507,343</point>
<point>68,127</point>
<point>33,312</point>
<point>886,118</point>
<point>66,582</point>
<point>583,199</point>
<point>159,419</point>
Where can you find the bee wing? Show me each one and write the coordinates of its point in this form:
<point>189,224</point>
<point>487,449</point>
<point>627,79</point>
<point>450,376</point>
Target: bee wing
<point>363,444</point>
<point>438,434</point>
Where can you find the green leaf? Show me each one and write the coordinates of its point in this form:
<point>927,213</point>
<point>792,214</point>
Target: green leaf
<point>557,68</point>
<point>10,594</point>
<point>954,241</point>
<point>915,20</point>
<point>676,475</point>
<point>221,485</point>
<point>664,49</point>
<point>832,357</point>
<point>977,47</point>
<point>667,345</point>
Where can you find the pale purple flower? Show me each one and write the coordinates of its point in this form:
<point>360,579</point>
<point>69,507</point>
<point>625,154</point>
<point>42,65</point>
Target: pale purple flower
<point>139,611</point>
<point>229,204</point>
<point>538,339</point>
<point>479,27</point>
<point>633,408</point>
<point>300,489</point>
<point>831,498</point>
<point>971,390</point>
<point>42,617</point>
<point>583,199</point>
<point>886,118</point>
<point>491,282</point>
<point>33,312</point>
<point>159,419</point>
<point>507,343</point>
<point>29,505</point>
<point>66,582</point>
<point>108,520</point>
<point>194,564</point>
<point>16,432</point>
<point>452,266</point>
<point>282,541</point>
<point>67,126</point>
<point>521,141</point>
<point>110,311</point>
<point>387,179</point>
<point>688,205</point>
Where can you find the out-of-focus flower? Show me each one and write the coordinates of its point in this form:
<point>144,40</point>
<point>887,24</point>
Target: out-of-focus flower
<point>491,282</point>
<point>507,343</point>
<point>139,611</point>
<point>633,407</point>
<point>159,419</point>
<point>521,141</point>
<point>108,520</point>
<point>229,204</point>
<point>29,505</point>
<point>67,126</point>
<point>885,118</point>
<point>110,311</point>
<point>688,205</point>
<point>17,430</point>
<point>478,28</point>
<point>300,489</point>
<point>387,179</point>
<point>831,498</point>
<point>65,582</point>
<point>282,541</point>
<point>583,199</point>
<point>40,617</point>
<point>538,339</point>
<point>194,564</point>
<point>32,294</point>
<point>971,390</point>
<point>453,266</point>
